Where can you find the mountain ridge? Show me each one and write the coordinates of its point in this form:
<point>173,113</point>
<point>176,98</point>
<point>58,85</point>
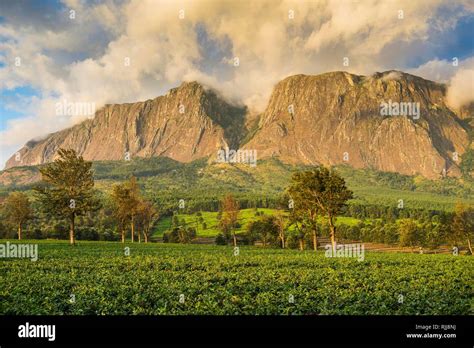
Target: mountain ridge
<point>154,127</point>
<point>331,118</point>
<point>335,119</point>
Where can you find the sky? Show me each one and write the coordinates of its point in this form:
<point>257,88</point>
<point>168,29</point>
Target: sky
<point>102,52</point>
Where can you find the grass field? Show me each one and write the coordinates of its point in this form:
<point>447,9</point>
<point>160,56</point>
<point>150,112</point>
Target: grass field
<point>97,278</point>
<point>212,223</point>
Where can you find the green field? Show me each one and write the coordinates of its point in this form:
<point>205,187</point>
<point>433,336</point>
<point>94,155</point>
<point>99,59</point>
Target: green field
<point>212,223</point>
<point>211,280</point>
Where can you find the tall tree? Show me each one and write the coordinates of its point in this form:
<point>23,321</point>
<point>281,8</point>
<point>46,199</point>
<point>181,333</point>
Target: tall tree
<point>281,224</point>
<point>127,200</point>
<point>17,210</point>
<point>69,188</point>
<point>230,216</point>
<point>120,198</point>
<point>133,203</point>
<point>297,219</point>
<point>463,223</point>
<point>304,215</point>
<point>320,191</point>
<point>147,216</point>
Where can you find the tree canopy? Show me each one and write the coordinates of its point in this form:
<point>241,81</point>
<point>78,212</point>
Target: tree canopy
<point>68,188</point>
<point>17,209</point>
<point>320,191</point>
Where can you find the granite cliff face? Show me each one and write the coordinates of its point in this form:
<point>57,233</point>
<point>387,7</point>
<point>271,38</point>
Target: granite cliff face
<point>326,119</point>
<point>188,123</point>
<point>336,118</point>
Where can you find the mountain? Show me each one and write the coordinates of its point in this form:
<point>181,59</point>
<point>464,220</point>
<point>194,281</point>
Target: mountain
<point>188,123</point>
<point>336,118</point>
<point>330,119</point>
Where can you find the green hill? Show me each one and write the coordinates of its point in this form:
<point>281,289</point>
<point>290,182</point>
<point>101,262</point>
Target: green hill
<point>202,182</point>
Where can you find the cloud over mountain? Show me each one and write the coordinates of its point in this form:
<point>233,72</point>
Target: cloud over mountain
<point>116,52</point>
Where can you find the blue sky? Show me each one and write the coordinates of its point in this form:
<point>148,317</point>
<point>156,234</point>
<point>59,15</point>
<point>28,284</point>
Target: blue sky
<point>11,100</point>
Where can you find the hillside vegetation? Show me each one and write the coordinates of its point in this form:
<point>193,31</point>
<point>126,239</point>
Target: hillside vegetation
<point>167,180</point>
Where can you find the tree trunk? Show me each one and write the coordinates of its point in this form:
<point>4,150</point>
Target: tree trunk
<point>145,235</point>
<point>123,235</point>
<point>19,231</point>
<point>315,241</point>
<point>235,239</point>
<point>71,229</point>
<point>283,241</point>
<point>132,225</point>
<point>139,237</point>
<point>301,244</point>
<point>469,245</point>
<point>333,233</point>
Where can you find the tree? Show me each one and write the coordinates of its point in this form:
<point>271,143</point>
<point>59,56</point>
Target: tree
<point>120,198</point>
<point>304,217</point>
<point>128,202</point>
<point>391,235</point>
<point>230,216</point>
<point>133,203</point>
<point>409,233</point>
<point>17,210</point>
<point>281,223</point>
<point>265,229</point>
<point>298,218</point>
<point>320,191</point>
<point>67,189</point>
<point>463,223</point>
<point>179,234</point>
<point>147,216</point>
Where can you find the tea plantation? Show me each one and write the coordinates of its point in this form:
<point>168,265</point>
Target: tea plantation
<point>99,278</point>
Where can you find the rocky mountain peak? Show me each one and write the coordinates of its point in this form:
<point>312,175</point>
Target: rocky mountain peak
<point>337,117</point>
<point>331,118</point>
<point>187,123</point>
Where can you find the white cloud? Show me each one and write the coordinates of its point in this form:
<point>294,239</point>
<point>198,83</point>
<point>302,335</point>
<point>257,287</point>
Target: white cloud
<point>458,75</point>
<point>461,86</point>
<point>436,70</point>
